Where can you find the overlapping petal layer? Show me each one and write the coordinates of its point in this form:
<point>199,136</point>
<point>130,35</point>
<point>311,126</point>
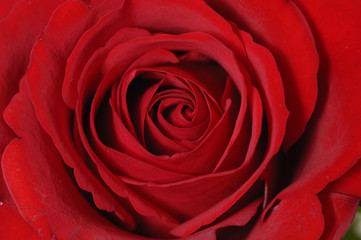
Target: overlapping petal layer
<point>176,119</point>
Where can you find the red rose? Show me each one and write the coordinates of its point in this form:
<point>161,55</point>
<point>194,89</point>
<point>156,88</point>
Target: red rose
<point>179,119</point>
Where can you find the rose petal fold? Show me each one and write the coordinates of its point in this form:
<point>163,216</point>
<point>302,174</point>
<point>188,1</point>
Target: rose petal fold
<point>48,61</point>
<point>338,212</point>
<point>273,24</point>
<point>349,182</point>
<point>331,145</point>
<point>40,184</point>
<point>15,227</point>
<point>291,219</point>
<point>19,31</point>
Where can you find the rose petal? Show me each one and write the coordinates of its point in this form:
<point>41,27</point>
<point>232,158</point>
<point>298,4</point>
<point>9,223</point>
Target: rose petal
<point>40,184</point>
<point>15,226</point>
<point>181,16</point>
<point>159,143</point>
<point>5,7</point>
<point>47,62</point>
<point>203,20</point>
<point>338,212</point>
<point>272,24</point>
<point>349,183</point>
<point>102,36</point>
<point>139,170</point>
<point>332,143</point>
<point>268,81</point>
<point>240,218</point>
<point>297,219</point>
<point>18,32</point>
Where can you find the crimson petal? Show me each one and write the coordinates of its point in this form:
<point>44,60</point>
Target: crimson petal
<point>338,212</point>
<point>40,185</point>
<point>325,159</point>
<point>297,219</point>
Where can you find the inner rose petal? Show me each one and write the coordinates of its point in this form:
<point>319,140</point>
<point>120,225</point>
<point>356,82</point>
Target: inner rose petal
<point>143,155</point>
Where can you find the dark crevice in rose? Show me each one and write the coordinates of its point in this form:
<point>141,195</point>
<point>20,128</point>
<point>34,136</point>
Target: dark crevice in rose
<point>78,142</point>
<point>235,232</point>
<point>135,91</point>
<point>103,123</point>
<point>289,162</point>
<point>86,112</point>
<point>262,142</point>
<point>180,54</point>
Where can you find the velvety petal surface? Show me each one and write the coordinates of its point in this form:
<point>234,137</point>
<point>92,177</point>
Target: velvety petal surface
<point>338,211</point>
<point>332,142</point>
<point>18,30</point>
<point>20,24</point>
<point>349,182</point>
<point>273,24</point>
<point>41,186</point>
<point>5,7</point>
<point>15,227</point>
<point>291,219</point>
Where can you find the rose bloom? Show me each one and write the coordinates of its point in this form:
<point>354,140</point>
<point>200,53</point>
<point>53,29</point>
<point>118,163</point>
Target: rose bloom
<point>179,119</point>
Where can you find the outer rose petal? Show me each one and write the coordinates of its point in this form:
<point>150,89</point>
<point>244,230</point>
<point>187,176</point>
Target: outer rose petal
<point>349,183</point>
<point>18,32</point>
<point>5,7</point>
<point>48,60</point>
<point>296,219</point>
<point>333,139</point>
<point>41,186</point>
<point>240,218</point>
<point>338,212</point>
<point>15,227</point>
<point>21,22</point>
